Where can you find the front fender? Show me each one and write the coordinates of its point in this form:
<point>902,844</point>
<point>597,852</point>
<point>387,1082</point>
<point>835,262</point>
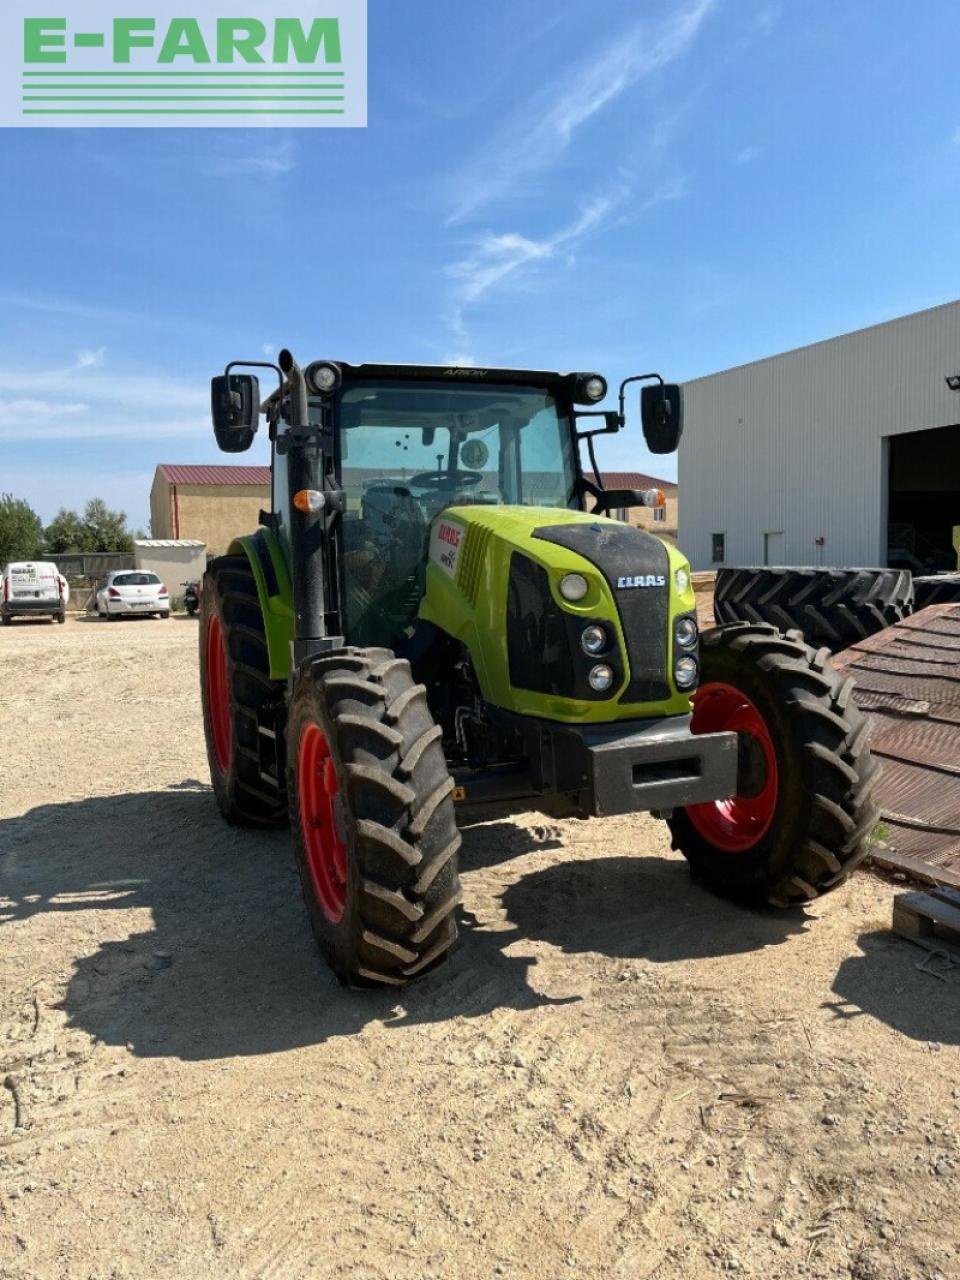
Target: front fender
<point>275,593</point>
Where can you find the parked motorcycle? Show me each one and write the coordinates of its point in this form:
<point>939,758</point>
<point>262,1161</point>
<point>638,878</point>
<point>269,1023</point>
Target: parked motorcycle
<point>191,597</point>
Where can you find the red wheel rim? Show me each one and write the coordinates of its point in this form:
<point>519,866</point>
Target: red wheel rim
<point>218,694</point>
<point>736,824</point>
<point>317,784</point>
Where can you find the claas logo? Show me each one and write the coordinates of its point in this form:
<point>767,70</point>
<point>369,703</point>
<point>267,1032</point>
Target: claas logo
<point>642,580</point>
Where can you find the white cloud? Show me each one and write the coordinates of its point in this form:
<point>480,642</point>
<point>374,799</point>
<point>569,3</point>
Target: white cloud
<point>268,349</point>
<point>90,359</point>
<point>748,155</point>
<point>268,159</point>
<point>131,429</point>
<point>495,257</point>
<point>494,260</point>
<point>78,402</point>
<point>956,136</point>
<point>544,127</point>
<point>68,307</point>
<point>28,412</point>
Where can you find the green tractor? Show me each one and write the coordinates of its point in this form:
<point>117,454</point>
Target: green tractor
<point>439,611</point>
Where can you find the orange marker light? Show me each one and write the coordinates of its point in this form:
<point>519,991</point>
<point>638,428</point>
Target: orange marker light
<point>654,498</point>
<point>309,501</point>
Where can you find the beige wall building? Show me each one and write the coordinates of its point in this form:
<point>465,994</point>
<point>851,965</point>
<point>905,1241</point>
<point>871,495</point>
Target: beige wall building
<point>174,563</point>
<point>659,520</point>
<point>212,504</point>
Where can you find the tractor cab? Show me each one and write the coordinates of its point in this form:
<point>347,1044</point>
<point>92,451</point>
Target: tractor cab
<point>393,446</point>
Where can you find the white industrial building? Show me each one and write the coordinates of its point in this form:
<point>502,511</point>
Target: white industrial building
<point>843,453</point>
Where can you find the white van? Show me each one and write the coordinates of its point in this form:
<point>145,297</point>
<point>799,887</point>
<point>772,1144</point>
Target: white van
<point>33,588</point>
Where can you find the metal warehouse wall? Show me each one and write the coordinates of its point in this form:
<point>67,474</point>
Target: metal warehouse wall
<point>795,442</point>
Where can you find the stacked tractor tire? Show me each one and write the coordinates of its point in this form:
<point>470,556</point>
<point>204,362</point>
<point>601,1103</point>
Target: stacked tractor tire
<point>832,608</point>
<point>943,588</point>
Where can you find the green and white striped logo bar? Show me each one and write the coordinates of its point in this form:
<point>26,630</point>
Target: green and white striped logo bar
<point>95,66</point>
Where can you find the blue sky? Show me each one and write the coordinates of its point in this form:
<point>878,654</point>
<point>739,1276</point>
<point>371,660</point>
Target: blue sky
<point>620,186</point>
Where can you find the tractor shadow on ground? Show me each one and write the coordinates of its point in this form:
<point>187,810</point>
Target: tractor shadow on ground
<point>218,961</point>
<point>901,985</point>
<point>638,908</point>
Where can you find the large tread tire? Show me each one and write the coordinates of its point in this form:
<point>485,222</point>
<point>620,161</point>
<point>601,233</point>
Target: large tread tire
<point>940,588</point>
<point>394,813</point>
<point>824,807</point>
<point>244,796</point>
<point>834,608</point>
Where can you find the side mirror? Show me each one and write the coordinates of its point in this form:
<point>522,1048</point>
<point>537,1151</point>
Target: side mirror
<point>235,408</point>
<point>661,413</point>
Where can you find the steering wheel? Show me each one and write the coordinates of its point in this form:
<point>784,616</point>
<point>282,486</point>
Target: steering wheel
<point>447,479</point>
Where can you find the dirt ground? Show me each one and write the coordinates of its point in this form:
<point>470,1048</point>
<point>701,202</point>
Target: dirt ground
<point>615,1076</point>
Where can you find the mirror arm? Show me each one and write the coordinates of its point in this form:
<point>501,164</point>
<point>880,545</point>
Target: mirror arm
<point>593,462</point>
<point>637,377</point>
<point>257,364</point>
<point>614,422</point>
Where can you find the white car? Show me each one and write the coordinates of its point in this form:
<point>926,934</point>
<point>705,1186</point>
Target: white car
<point>132,592</point>
<point>33,588</point>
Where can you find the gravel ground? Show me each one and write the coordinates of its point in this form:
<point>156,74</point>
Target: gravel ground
<point>615,1076</point>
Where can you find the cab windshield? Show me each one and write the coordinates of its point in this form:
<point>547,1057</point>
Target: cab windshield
<point>407,450</point>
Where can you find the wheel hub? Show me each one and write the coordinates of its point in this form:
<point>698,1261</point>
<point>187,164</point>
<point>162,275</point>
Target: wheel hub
<point>218,694</point>
<point>736,824</point>
<point>321,822</point>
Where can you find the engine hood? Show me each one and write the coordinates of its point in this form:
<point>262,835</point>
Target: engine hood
<point>492,581</point>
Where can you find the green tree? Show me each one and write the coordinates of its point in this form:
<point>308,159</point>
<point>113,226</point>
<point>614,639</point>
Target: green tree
<point>66,534</point>
<point>98,529</point>
<point>107,530</point>
<point>21,531</point>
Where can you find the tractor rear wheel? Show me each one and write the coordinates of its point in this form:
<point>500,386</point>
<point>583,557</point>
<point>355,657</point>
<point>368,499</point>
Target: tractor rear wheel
<point>372,816</point>
<point>239,698</point>
<point>798,824</point>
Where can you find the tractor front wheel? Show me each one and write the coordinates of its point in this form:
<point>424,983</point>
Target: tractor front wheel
<point>372,816</point>
<point>798,824</point>
<point>240,701</point>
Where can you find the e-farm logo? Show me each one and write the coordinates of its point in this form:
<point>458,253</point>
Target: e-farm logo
<point>106,62</point>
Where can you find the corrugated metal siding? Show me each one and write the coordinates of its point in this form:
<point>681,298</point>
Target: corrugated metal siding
<point>795,442</point>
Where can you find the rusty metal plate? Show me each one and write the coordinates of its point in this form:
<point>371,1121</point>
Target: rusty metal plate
<point>907,682</point>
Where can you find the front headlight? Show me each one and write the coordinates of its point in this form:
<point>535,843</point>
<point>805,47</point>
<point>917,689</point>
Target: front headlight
<point>600,677</point>
<point>686,632</point>
<point>593,640</point>
<point>322,378</point>
<point>686,672</point>
<point>573,587</point>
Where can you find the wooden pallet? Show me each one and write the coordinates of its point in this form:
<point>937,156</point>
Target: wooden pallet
<point>932,920</point>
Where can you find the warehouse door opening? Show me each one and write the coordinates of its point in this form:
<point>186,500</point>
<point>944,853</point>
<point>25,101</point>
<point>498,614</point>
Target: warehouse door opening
<point>924,500</point>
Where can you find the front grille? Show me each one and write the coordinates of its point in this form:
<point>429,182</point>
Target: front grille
<point>624,553</point>
<point>543,640</point>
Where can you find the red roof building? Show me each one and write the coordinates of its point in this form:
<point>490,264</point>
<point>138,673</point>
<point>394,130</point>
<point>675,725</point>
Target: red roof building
<point>213,504</point>
<point>177,473</point>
